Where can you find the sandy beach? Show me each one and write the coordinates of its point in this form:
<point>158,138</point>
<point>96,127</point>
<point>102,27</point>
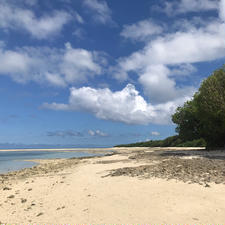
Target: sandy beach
<point>131,186</point>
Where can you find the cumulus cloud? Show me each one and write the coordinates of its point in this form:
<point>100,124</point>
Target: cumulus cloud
<point>155,133</point>
<point>163,58</point>
<point>168,56</point>
<point>97,133</point>
<point>195,45</point>
<point>159,87</point>
<point>78,63</point>
<point>186,6</point>
<point>123,106</point>
<point>101,12</point>
<point>58,67</point>
<point>141,31</point>
<point>14,17</point>
<point>64,133</point>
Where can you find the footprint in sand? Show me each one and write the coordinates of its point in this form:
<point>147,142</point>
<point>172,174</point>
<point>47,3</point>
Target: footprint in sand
<point>23,200</point>
<point>63,207</point>
<point>11,196</point>
<point>7,189</point>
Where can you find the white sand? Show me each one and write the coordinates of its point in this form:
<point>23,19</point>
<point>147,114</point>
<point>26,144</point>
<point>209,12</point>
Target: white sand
<point>80,195</point>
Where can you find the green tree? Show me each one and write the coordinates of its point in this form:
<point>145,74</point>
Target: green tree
<point>211,107</point>
<point>204,116</point>
<point>187,120</point>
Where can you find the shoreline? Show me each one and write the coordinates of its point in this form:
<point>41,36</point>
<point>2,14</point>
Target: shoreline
<point>55,149</point>
<point>130,186</point>
<point>37,160</point>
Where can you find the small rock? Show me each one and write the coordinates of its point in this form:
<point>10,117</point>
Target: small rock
<point>207,185</point>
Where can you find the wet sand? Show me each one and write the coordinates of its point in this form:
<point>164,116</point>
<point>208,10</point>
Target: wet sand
<point>133,186</point>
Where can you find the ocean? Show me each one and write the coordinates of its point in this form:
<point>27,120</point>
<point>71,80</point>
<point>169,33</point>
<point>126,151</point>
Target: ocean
<point>15,160</point>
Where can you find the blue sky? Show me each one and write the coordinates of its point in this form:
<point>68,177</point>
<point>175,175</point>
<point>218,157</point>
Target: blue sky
<point>102,72</point>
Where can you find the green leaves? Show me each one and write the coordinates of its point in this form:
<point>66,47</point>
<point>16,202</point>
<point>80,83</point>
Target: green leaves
<point>204,116</point>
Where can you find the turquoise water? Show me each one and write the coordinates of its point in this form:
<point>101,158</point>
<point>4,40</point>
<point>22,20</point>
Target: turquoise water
<point>14,160</point>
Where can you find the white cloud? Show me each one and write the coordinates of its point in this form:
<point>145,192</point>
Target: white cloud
<point>13,17</point>
<point>157,62</point>
<point>222,10</point>
<point>182,69</point>
<point>125,106</point>
<point>79,33</point>
<point>185,6</point>
<point>55,79</point>
<point>78,18</point>
<point>78,64</point>
<point>91,132</point>
<point>102,13</point>
<point>167,57</point>
<point>58,67</point>
<point>14,64</point>
<point>64,133</point>
<point>159,87</point>
<point>155,133</point>
<point>194,45</point>
<point>141,31</point>
<point>97,133</point>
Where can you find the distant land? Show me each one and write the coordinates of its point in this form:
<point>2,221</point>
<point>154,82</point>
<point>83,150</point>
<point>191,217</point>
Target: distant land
<point>173,141</point>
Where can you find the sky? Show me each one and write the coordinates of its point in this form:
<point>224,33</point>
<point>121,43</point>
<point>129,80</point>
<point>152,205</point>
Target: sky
<point>96,73</point>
